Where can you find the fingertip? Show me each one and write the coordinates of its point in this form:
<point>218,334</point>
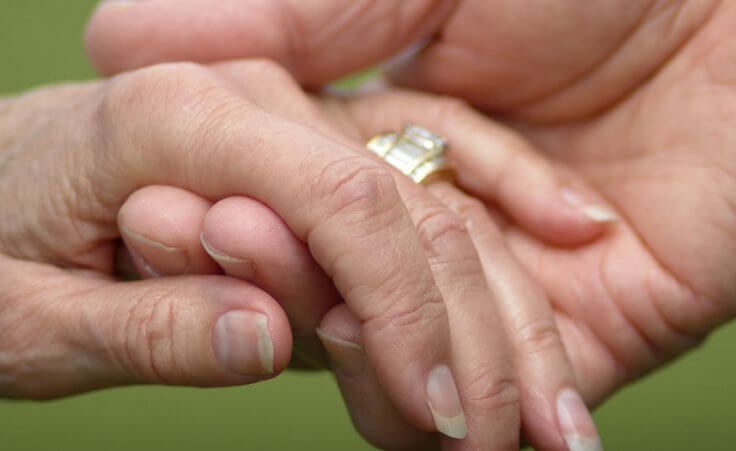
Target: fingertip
<point>560,223</point>
<point>247,230</point>
<point>160,226</point>
<point>339,322</point>
<point>252,336</point>
<point>559,216</point>
<point>153,208</point>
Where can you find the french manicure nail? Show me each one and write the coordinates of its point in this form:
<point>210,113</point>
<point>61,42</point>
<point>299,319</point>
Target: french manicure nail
<point>444,402</point>
<point>242,342</point>
<point>596,213</point>
<point>347,357</point>
<point>576,423</point>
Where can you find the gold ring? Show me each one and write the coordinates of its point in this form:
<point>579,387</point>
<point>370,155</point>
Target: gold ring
<point>416,152</point>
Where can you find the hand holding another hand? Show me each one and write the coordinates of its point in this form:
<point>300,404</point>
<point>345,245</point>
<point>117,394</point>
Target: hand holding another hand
<point>636,101</point>
<point>246,129</point>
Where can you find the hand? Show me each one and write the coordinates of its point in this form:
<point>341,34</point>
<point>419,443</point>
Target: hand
<point>615,113</point>
<point>636,100</point>
<point>75,154</point>
<point>248,240</point>
<point>66,324</point>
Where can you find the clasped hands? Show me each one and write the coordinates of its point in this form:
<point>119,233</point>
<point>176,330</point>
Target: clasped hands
<point>578,267</point>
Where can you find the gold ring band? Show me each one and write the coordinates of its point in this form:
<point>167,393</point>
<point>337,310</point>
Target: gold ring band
<point>416,152</point>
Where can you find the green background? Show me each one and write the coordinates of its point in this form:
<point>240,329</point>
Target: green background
<point>687,406</point>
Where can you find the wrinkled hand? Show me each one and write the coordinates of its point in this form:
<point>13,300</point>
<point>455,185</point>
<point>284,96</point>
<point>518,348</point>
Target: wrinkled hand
<point>249,241</point>
<point>404,262</point>
<point>638,100</point>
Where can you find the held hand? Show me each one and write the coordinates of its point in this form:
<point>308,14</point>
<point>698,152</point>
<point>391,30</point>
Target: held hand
<point>646,122</point>
<point>638,100</point>
<point>239,129</point>
<point>249,241</point>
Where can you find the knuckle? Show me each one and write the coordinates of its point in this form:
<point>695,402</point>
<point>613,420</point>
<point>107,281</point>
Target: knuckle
<point>147,347</point>
<point>195,113</point>
<point>539,335</point>
<point>406,317</point>
<point>130,88</point>
<point>490,391</point>
<point>152,91</point>
<point>440,228</point>
<point>357,188</point>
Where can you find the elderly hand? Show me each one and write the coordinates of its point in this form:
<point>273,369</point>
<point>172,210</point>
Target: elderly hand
<point>72,157</point>
<point>249,241</point>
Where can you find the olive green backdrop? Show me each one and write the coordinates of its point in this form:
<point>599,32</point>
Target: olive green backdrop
<point>687,406</point>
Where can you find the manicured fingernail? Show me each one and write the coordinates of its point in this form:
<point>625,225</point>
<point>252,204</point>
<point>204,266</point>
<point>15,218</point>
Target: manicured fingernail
<point>444,402</point>
<point>576,423</point>
<point>243,267</point>
<point>169,260</point>
<point>242,342</point>
<point>596,213</point>
<point>346,357</point>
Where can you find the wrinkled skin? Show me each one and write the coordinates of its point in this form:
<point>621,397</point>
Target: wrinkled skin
<point>638,98</point>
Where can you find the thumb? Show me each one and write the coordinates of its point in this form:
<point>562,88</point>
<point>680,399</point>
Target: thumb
<point>63,333</point>
<point>318,40</point>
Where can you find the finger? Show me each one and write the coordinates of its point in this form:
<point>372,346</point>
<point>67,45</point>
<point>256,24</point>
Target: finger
<point>316,40</point>
<point>249,241</point>
<point>552,409</point>
<point>203,331</point>
<point>541,361</point>
<point>171,231</point>
<point>483,365</point>
<point>496,164</point>
<point>160,226</point>
<point>342,202</point>
<point>372,413</point>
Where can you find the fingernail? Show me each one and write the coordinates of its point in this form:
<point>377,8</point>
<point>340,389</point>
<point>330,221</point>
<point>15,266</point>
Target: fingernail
<point>169,260</point>
<point>444,402</point>
<point>596,213</point>
<point>244,268</point>
<point>346,357</point>
<point>242,342</point>
<point>576,423</point>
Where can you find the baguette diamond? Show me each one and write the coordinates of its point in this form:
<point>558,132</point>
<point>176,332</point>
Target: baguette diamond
<point>416,152</point>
